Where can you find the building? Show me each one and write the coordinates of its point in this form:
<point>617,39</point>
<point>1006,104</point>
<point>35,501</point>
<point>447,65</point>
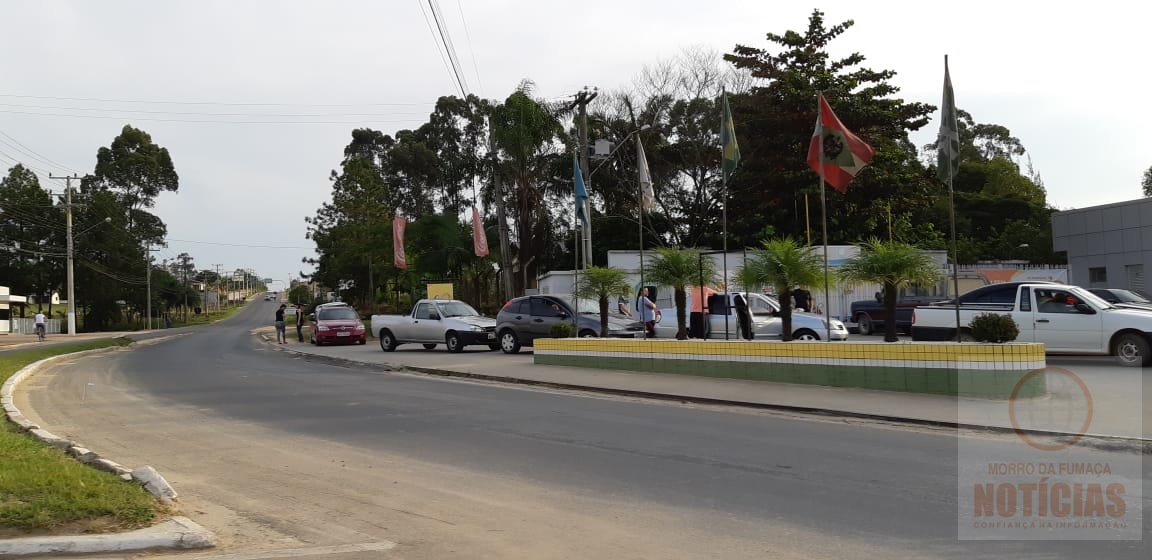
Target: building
<point>1108,246</point>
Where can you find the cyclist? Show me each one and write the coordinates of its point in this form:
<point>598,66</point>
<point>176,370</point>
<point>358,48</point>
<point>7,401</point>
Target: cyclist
<point>40,320</point>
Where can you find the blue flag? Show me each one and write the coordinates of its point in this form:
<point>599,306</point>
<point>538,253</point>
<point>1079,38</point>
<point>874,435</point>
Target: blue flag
<point>581,193</point>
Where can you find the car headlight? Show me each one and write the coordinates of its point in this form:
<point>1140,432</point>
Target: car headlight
<point>359,328</point>
<point>474,328</point>
<point>321,328</point>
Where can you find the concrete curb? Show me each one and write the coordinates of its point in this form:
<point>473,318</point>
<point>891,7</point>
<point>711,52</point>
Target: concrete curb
<point>177,532</point>
<point>1099,441</point>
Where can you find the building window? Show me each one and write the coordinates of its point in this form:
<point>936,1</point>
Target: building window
<point>1135,273</point>
<point>1098,275</point>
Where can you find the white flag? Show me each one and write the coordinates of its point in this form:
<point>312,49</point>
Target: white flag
<point>647,195</point>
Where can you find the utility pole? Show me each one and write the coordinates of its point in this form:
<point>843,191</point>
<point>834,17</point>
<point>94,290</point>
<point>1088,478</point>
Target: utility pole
<point>219,282</point>
<point>501,217</point>
<point>71,278</point>
<point>584,97</point>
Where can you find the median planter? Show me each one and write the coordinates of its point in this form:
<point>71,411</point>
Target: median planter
<point>967,370</point>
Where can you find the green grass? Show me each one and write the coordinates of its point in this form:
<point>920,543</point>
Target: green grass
<point>43,490</point>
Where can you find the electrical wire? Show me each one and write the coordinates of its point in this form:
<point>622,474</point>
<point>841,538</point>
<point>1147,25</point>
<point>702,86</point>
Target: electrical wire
<point>468,39</point>
<point>220,103</point>
<point>448,47</point>
<point>32,153</point>
<point>207,114</point>
<point>204,121</point>
<point>435,40</point>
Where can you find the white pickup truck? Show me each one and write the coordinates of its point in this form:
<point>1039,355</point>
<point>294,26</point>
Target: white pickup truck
<point>1067,319</point>
<point>450,322</point>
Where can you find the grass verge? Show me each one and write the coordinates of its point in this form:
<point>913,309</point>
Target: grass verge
<point>44,491</point>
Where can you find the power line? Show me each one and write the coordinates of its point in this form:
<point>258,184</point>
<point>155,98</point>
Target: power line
<point>440,25</point>
<point>207,114</point>
<point>221,103</point>
<point>435,40</point>
<point>32,153</point>
<point>468,39</point>
<point>202,121</point>
<point>239,244</point>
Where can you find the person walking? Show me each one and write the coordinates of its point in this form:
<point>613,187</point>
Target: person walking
<point>647,311</point>
<point>299,323</point>
<point>281,338</point>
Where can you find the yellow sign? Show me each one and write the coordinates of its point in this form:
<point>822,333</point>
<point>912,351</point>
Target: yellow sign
<point>440,291</point>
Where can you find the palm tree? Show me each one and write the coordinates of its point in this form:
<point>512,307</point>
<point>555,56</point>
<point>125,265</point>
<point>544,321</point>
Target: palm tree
<point>783,263</point>
<point>678,269</point>
<point>602,282</point>
<point>893,265</point>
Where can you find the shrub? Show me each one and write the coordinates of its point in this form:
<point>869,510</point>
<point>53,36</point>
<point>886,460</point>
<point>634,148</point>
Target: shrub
<point>561,330</point>
<point>993,327</point>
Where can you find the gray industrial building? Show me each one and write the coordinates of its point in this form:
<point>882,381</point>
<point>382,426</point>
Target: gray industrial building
<point>1108,246</point>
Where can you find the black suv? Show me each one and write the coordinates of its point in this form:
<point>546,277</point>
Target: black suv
<point>527,318</point>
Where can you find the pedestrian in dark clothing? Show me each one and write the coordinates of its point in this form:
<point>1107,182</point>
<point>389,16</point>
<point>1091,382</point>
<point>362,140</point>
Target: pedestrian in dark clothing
<point>300,323</point>
<point>281,338</point>
<point>803,298</point>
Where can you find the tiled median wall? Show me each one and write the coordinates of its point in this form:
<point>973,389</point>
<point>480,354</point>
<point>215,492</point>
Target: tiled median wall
<point>968,369</point>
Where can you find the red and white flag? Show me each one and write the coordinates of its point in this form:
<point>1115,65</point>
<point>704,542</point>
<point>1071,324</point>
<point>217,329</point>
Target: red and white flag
<point>834,152</point>
<point>398,259</point>
<point>479,238</point>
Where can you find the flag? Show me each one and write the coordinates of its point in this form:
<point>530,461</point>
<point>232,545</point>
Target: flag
<point>398,259</point>
<point>581,193</point>
<point>834,152</point>
<point>479,238</point>
<point>948,142</point>
<point>731,151</point>
<point>647,195</point>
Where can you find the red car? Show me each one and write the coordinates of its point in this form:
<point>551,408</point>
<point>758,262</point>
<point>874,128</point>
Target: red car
<point>337,324</point>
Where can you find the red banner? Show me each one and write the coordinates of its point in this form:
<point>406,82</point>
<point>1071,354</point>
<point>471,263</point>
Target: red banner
<point>479,238</point>
<point>398,259</point>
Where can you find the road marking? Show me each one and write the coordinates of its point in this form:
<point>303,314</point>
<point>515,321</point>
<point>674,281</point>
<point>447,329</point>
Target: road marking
<point>298,552</point>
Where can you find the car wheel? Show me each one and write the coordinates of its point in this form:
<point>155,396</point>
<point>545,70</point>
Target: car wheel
<point>964,336</point>
<point>509,343</point>
<point>805,335</point>
<point>429,346</point>
<point>362,341</point>
<point>1132,350</point>
<point>387,341</point>
<point>865,324</point>
<point>587,334</point>
<point>452,341</point>
<point>494,346</point>
<point>312,339</point>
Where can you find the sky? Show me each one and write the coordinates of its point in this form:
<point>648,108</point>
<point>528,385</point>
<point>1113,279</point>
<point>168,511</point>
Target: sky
<point>256,100</point>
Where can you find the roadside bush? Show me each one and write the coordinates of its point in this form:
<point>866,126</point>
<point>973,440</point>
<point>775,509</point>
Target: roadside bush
<point>561,330</point>
<point>993,327</point>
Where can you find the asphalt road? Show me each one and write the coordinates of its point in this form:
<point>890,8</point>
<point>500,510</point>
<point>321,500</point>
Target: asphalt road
<point>699,480</point>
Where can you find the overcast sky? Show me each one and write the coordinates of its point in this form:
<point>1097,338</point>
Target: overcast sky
<point>225,86</point>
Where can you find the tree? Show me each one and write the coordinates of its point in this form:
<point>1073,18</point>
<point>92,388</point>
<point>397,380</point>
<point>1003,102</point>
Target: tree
<point>300,295</point>
<point>32,240</point>
<point>892,265</point>
<point>602,282</point>
<point>1147,183</point>
<point>774,123</point>
<point>783,263</point>
<point>678,269</point>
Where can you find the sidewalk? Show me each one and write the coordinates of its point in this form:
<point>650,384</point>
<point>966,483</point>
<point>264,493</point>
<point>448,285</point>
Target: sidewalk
<point>1115,412</point>
<point>26,341</point>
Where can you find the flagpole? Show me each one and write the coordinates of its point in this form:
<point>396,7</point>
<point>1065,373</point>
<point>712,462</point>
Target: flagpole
<point>824,215</point>
<point>640,214</point>
<point>807,220</point>
<point>952,200</point>
<point>724,222</point>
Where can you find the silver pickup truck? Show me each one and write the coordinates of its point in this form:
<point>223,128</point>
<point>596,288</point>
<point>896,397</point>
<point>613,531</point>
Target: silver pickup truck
<point>450,322</point>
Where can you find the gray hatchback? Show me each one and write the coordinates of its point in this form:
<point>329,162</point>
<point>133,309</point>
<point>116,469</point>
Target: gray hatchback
<point>527,318</point>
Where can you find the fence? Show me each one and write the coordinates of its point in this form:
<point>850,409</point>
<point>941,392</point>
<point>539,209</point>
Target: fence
<point>28,326</point>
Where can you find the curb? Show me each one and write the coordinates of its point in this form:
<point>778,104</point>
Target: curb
<point>177,532</point>
<point>1099,441</point>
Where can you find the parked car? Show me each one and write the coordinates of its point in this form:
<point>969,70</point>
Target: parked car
<point>870,315</point>
<point>765,318</point>
<point>1066,319</point>
<point>336,323</point>
<point>450,322</point>
<point>524,319</point>
<point>1123,298</point>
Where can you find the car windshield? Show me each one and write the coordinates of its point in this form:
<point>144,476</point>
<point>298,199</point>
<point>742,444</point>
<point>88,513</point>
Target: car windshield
<point>456,309</point>
<point>339,313</point>
<point>1092,298</point>
<point>586,305</point>
<point>1124,296</point>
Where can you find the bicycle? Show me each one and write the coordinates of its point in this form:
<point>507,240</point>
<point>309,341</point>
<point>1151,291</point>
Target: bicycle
<point>40,332</point>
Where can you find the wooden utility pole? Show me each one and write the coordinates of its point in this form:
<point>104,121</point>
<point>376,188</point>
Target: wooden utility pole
<point>71,277</point>
<point>583,98</point>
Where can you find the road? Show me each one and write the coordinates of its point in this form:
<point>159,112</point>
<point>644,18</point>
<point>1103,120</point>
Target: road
<point>274,452</point>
